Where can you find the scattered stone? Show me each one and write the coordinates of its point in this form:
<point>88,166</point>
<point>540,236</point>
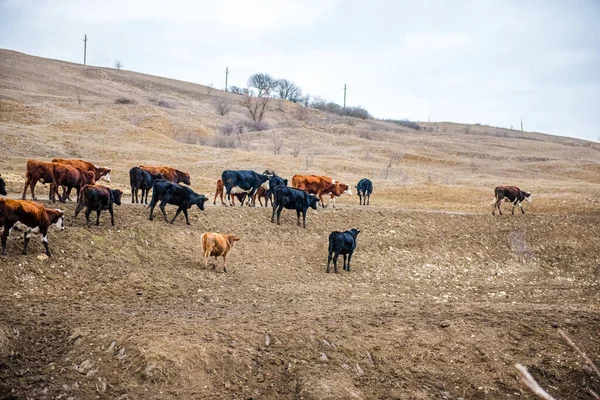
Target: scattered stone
<point>323,357</point>
<point>42,257</point>
<point>267,340</point>
<point>444,324</point>
<point>359,370</point>
<point>555,325</point>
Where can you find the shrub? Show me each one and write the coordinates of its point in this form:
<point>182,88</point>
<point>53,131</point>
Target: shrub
<point>405,123</point>
<point>237,90</point>
<point>124,100</point>
<point>223,108</point>
<point>242,126</point>
<point>356,112</point>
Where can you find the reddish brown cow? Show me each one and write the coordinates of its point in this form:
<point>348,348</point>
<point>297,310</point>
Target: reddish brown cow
<point>38,171</point>
<point>511,194</point>
<point>30,218</point>
<point>241,196</point>
<point>99,172</point>
<point>217,245</point>
<point>68,178</point>
<point>337,191</point>
<point>319,185</point>
<point>169,173</point>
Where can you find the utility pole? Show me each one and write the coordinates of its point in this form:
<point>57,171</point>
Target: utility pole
<point>428,109</point>
<point>226,75</point>
<point>84,47</point>
<point>521,124</point>
<point>344,95</point>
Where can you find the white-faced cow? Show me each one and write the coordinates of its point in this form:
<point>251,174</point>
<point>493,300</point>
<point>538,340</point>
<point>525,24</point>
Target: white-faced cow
<point>511,194</point>
<point>342,243</point>
<point>30,218</point>
<point>176,194</point>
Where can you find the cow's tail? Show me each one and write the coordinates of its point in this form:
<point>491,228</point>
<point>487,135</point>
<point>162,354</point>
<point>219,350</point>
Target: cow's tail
<point>496,197</point>
<point>331,235</point>
<point>132,178</point>
<point>83,195</point>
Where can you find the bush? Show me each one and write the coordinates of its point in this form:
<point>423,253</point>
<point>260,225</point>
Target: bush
<point>404,122</point>
<point>237,127</point>
<point>223,108</point>
<point>124,100</point>
<point>356,112</point>
<point>237,90</point>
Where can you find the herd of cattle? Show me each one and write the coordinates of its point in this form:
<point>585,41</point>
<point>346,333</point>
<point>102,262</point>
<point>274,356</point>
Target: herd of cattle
<point>305,192</point>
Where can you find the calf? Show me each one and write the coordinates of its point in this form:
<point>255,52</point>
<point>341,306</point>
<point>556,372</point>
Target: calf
<point>292,199</point>
<point>364,188</point>
<point>140,179</point>
<point>97,198</point>
<point>174,193</point>
<point>2,187</point>
<point>217,245</point>
<point>337,190</point>
<point>69,178</point>
<point>29,217</point>
<point>245,180</point>
<point>511,194</point>
<point>342,243</point>
<point>274,181</point>
<point>241,196</point>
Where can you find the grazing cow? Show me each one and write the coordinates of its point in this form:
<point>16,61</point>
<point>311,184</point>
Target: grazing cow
<point>141,180</point>
<point>364,188</point>
<point>246,181</point>
<point>241,196</point>
<point>29,217</point>
<point>511,194</point>
<point>292,199</point>
<point>342,243</point>
<point>217,245</point>
<point>97,198</point>
<point>174,193</point>
<point>99,172</point>
<point>320,185</point>
<point>69,178</point>
<point>2,187</point>
<point>38,171</point>
<point>170,174</point>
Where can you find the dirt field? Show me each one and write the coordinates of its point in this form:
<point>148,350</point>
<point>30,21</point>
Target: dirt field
<point>442,300</point>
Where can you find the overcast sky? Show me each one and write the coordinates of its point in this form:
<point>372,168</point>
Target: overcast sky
<point>488,62</point>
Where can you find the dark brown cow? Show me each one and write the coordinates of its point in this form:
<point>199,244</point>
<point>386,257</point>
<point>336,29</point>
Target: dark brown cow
<point>511,194</point>
<point>99,172</point>
<point>69,178</point>
<point>241,196</point>
<point>170,174</point>
<point>30,218</point>
<point>38,171</point>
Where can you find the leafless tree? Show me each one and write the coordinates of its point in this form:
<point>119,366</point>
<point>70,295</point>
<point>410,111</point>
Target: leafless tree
<point>209,88</point>
<point>223,107</point>
<point>257,106</point>
<point>237,90</point>
<point>264,83</point>
<point>276,143</point>
<point>296,147</point>
<point>288,90</point>
<point>396,157</point>
<point>79,99</point>
<point>118,64</point>
<point>310,158</point>
<point>302,113</point>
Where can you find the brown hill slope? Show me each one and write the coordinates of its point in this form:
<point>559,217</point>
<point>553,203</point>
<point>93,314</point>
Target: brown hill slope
<point>442,301</point>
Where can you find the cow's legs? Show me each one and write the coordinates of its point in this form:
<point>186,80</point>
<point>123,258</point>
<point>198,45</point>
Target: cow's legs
<point>328,261</point>
<point>304,219</point>
<point>5,236</point>
<point>162,206</point>
<point>279,209</point>
<point>368,199</point>
<point>77,211</point>
<point>97,217</point>
<point>88,211</point>
<point>273,214</point>
<point>521,207</point>
<point>335,257</point>
<point>224,262</point>
<point>360,200</point>
<point>27,183</point>
<point>152,205</point>
<point>298,216</point>
<point>344,266</point>
<point>187,221</point>
<point>112,215</point>
<point>349,258</point>
<point>45,242</point>
<point>25,243</point>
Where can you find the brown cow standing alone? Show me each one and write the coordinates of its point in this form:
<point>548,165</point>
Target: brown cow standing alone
<point>30,218</point>
<point>217,245</point>
<point>511,194</point>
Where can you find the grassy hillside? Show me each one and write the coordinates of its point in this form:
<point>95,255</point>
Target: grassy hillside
<point>442,301</point>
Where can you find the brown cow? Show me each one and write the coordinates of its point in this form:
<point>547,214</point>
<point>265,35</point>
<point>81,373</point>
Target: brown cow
<point>241,196</point>
<point>511,194</point>
<point>30,218</point>
<point>339,189</point>
<point>169,173</point>
<point>319,185</point>
<point>217,245</point>
<point>99,172</point>
<point>41,171</point>
<point>69,177</point>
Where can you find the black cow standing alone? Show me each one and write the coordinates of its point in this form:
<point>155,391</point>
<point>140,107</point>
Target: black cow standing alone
<point>364,188</point>
<point>511,194</point>
<point>97,198</point>
<point>247,181</point>
<point>292,199</point>
<point>342,243</point>
<point>2,187</point>
<point>140,179</point>
<point>173,193</point>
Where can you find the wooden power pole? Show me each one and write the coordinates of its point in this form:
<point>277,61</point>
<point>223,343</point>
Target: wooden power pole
<point>226,75</point>
<point>344,95</point>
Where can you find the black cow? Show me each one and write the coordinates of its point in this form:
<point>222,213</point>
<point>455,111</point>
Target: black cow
<point>245,180</point>
<point>364,188</point>
<point>511,194</point>
<point>292,199</point>
<point>141,180</point>
<point>342,243</point>
<point>274,181</point>
<point>2,187</point>
<point>174,193</point>
<point>97,198</point>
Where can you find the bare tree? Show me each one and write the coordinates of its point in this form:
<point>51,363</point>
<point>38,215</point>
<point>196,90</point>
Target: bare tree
<point>296,147</point>
<point>264,83</point>
<point>396,157</point>
<point>223,108</point>
<point>277,143</point>
<point>118,64</point>
<point>287,90</point>
<point>209,88</point>
<point>237,90</point>
<point>310,158</point>
<point>257,106</point>
<point>79,99</point>
<point>302,113</point>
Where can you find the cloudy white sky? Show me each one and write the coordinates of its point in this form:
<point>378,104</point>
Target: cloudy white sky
<point>480,61</point>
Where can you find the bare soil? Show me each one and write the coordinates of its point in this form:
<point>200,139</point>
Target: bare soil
<point>441,302</point>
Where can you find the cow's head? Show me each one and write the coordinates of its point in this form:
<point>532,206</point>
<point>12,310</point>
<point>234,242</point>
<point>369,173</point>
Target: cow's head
<point>116,194</point>
<point>104,173</point>
<point>264,180</point>
<point>355,231</point>
<point>345,189</point>
<point>527,196</point>
<point>89,178</point>
<point>232,238</point>
<point>2,187</point>
<point>200,199</point>
<point>57,218</point>
<point>269,172</point>
<point>183,177</point>
<point>312,200</point>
